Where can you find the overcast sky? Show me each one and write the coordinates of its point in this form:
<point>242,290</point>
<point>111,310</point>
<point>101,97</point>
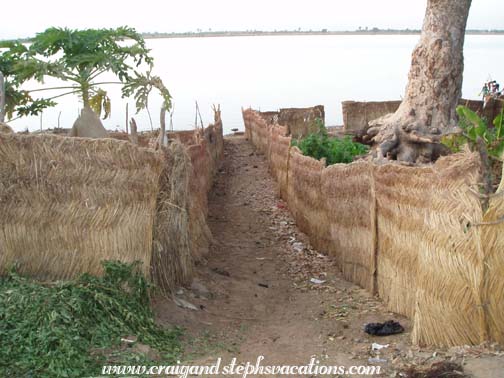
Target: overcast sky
<point>23,18</point>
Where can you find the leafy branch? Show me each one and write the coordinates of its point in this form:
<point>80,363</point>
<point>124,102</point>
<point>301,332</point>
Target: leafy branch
<point>79,57</point>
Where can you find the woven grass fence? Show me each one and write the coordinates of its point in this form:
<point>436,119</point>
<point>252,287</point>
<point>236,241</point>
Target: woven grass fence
<point>304,196</point>
<point>416,236</point>
<point>279,157</point>
<point>69,203</point>
<point>348,199</point>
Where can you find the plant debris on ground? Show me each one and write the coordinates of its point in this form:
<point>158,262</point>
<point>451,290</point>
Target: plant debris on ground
<point>72,328</point>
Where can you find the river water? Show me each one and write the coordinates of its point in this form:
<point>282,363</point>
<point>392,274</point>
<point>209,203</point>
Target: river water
<point>271,72</point>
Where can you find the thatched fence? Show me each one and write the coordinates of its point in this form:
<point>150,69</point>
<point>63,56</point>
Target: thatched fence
<point>67,204</point>
<point>416,236</point>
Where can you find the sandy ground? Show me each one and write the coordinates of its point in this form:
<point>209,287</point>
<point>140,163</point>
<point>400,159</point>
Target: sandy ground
<point>254,297</point>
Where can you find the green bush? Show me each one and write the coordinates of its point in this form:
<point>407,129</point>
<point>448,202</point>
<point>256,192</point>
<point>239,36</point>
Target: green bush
<point>335,150</point>
<point>70,329</point>
<point>474,127</point>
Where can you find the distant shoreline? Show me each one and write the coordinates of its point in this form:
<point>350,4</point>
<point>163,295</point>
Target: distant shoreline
<point>255,33</point>
<point>299,33</point>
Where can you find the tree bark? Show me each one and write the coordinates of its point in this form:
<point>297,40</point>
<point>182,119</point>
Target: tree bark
<point>412,134</point>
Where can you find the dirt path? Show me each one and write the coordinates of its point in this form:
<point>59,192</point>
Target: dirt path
<point>254,293</point>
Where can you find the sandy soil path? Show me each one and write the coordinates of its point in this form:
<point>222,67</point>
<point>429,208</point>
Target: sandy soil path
<point>254,295</point>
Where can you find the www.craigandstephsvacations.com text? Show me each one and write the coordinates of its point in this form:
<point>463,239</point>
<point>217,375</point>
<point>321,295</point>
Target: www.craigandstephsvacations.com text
<point>244,370</point>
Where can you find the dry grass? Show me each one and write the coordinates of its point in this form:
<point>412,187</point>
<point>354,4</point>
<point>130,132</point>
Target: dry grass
<point>171,254</point>
<point>68,203</point>
<point>304,197</point>
<point>279,158</point>
<point>349,200</point>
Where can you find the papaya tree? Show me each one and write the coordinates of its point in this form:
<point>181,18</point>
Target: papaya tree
<point>428,111</point>
<point>79,58</point>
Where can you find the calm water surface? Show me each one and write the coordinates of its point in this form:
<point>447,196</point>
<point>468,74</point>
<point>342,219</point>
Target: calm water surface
<point>268,73</point>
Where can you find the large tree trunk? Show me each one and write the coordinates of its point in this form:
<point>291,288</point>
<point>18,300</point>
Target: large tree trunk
<point>413,132</point>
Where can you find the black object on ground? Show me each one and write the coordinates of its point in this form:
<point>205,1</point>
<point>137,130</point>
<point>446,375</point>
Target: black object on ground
<point>222,272</point>
<point>263,285</point>
<point>390,327</point>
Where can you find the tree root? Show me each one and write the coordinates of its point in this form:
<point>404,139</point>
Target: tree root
<point>408,141</point>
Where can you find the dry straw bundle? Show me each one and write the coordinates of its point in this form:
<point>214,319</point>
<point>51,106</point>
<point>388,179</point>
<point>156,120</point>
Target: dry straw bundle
<point>279,157</point>
<point>172,259</point>
<point>68,203</point>
<point>349,200</point>
<point>492,236</point>
<point>304,197</point>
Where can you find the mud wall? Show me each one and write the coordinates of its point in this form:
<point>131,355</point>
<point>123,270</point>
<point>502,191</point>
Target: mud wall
<point>416,236</point>
<point>357,115</point>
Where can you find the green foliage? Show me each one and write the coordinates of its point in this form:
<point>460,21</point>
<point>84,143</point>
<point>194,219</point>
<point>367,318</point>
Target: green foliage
<point>69,329</point>
<point>319,145</point>
<point>474,127</point>
<point>78,57</point>
<point>140,87</point>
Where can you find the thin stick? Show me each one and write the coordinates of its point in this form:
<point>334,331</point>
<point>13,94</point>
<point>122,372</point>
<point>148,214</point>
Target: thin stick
<point>2,98</point>
<point>196,116</point>
<point>59,116</point>
<point>127,117</point>
<point>41,121</point>
<point>150,118</point>
<point>201,119</point>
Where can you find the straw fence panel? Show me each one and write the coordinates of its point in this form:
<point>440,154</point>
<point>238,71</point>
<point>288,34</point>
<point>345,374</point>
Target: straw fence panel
<point>173,236</point>
<point>429,261</point>
<point>304,196</point>
<point>493,240</point>
<point>279,158</point>
<point>248,115</point>
<point>400,222</point>
<point>451,256</point>
<point>348,197</point>
<point>186,137</point>
<point>260,133</point>
<point>68,203</point>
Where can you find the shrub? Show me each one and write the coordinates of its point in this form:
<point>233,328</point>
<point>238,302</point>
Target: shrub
<point>474,127</point>
<point>335,150</point>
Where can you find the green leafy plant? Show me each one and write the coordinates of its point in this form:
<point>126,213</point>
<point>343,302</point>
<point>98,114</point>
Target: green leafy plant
<point>70,329</point>
<point>79,57</point>
<point>474,127</point>
<point>335,150</point>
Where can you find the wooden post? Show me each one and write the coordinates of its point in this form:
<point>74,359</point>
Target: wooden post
<point>162,122</point>
<point>134,134</point>
<point>2,98</point>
